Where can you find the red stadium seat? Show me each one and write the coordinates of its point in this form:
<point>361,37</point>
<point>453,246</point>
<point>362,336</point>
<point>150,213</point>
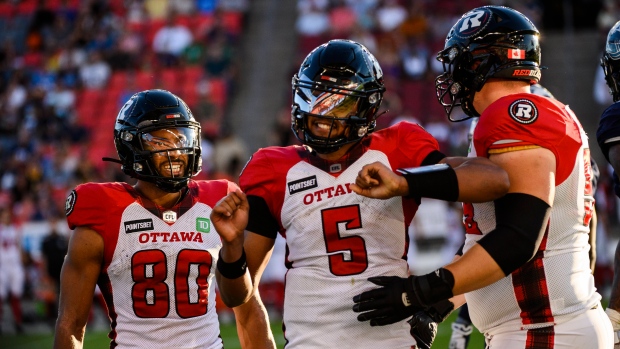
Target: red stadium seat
<point>412,97</point>
<point>170,79</point>
<point>26,7</point>
<point>6,9</point>
<point>233,22</point>
<point>151,29</point>
<point>203,22</point>
<point>144,80</point>
<point>117,80</point>
<point>192,72</point>
<point>218,91</point>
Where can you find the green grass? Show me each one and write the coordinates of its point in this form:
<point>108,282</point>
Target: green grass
<point>99,339</point>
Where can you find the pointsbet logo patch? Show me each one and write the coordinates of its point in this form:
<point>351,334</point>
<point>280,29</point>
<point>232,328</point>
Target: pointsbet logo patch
<point>203,225</point>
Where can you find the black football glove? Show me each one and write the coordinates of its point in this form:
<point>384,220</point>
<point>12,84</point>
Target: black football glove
<point>424,323</point>
<point>423,329</point>
<point>386,305</point>
<point>400,298</point>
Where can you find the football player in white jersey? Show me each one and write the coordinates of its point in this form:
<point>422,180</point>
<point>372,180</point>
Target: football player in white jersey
<point>151,247</point>
<point>525,269</point>
<point>608,137</point>
<point>335,239</point>
<point>12,275</point>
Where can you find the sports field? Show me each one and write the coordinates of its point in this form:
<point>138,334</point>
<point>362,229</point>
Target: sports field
<point>99,339</point>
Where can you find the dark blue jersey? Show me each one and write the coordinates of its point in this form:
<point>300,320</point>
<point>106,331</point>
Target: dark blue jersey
<point>608,134</point>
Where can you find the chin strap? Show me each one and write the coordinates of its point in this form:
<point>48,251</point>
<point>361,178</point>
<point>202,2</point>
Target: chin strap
<point>112,160</point>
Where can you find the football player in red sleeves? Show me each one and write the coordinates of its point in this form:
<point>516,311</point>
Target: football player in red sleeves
<point>525,269</point>
<point>151,247</point>
<point>608,136</point>
<point>335,239</point>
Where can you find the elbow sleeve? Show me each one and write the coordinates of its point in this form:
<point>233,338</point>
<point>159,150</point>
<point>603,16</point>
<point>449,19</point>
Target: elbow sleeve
<point>521,222</point>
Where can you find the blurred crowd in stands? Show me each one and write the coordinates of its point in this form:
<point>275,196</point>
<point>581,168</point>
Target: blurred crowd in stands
<point>66,67</point>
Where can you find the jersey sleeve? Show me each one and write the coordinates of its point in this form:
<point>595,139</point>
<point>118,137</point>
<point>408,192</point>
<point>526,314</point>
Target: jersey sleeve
<point>414,146</point>
<point>608,132</point>
<point>259,180</point>
<point>86,206</point>
<point>211,191</point>
<point>99,206</point>
<point>523,121</point>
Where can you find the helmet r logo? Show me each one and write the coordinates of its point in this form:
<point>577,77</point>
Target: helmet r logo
<point>472,22</point>
<point>523,111</point>
<point>473,18</point>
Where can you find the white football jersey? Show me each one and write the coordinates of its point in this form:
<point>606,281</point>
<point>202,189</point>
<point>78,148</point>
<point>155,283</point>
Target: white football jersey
<point>336,239</point>
<point>557,283</point>
<point>159,265</point>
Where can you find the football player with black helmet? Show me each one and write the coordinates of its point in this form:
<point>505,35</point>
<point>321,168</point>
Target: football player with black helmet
<point>608,137</point>
<point>148,246</point>
<point>336,240</point>
<point>524,269</point>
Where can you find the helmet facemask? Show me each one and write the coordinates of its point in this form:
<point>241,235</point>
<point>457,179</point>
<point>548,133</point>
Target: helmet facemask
<point>336,93</point>
<point>611,69</point>
<point>158,140</point>
<point>337,106</point>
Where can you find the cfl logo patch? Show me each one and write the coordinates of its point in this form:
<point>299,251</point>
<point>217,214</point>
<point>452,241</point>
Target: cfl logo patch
<point>523,111</point>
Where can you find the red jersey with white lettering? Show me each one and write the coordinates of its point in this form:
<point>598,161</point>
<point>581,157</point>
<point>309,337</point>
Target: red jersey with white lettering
<point>336,239</point>
<point>557,283</point>
<point>157,277</point>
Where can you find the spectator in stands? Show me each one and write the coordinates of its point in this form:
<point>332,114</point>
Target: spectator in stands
<point>230,153</point>
<point>390,15</point>
<point>95,72</point>
<point>312,19</point>
<point>170,41</point>
<point>60,101</point>
<point>218,58</point>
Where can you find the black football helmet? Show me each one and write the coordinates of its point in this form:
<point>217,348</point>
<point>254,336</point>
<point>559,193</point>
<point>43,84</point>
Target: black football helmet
<point>158,123</point>
<point>338,76</point>
<point>486,42</point>
<point>611,61</point>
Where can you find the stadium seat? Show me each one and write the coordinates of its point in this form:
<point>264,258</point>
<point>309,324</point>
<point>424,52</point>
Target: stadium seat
<point>192,72</point>
<point>26,7</point>
<point>233,22</point>
<point>218,91</point>
<point>117,80</point>
<point>170,79</point>
<point>151,29</point>
<point>411,96</point>
<point>144,80</point>
<point>6,9</point>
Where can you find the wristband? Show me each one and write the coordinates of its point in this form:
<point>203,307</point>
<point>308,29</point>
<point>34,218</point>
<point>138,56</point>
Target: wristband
<point>437,181</point>
<point>440,310</point>
<point>232,270</point>
<point>431,288</point>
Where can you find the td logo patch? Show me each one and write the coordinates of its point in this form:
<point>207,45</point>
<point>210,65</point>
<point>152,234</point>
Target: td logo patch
<point>70,203</point>
<point>523,111</point>
<point>203,225</point>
